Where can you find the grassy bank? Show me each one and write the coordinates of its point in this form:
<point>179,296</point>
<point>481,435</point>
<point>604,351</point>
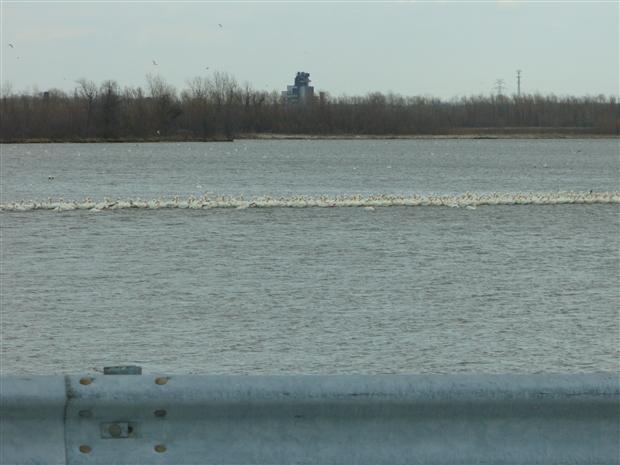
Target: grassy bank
<point>273,136</point>
<point>426,136</point>
<point>99,140</point>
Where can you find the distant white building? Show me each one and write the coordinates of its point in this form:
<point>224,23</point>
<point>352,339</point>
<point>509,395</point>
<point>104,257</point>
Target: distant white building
<point>301,92</point>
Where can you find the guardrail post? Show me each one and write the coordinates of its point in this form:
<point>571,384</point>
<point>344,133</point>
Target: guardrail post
<point>32,412</point>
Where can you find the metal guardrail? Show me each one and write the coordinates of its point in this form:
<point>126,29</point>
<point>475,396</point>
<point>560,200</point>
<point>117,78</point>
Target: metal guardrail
<point>387,419</point>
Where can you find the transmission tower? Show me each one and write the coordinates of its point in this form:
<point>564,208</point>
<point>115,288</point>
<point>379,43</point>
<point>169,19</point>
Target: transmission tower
<point>519,82</point>
<point>499,86</point>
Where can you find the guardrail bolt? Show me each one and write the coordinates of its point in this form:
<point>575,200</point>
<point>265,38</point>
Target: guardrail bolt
<point>86,381</point>
<point>160,413</point>
<point>161,380</point>
<point>84,449</point>
<point>115,430</point>
<point>160,448</point>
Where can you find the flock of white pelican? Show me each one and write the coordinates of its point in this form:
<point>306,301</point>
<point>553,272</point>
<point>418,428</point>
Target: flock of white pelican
<point>466,200</point>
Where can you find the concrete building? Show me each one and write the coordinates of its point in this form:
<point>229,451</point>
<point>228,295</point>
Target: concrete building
<point>301,92</point>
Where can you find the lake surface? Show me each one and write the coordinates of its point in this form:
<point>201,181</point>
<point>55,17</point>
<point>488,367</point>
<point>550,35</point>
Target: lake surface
<point>495,289</point>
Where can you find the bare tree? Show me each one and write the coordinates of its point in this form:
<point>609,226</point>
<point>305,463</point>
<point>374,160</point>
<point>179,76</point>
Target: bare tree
<point>87,90</point>
<point>7,89</point>
<point>166,105</point>
<point>109,94</point>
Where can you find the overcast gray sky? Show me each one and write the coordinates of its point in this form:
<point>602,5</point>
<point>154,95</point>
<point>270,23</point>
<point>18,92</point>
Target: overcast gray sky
<point>437,48</point>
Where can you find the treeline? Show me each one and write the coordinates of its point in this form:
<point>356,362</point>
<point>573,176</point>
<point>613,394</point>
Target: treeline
<point>220,108</point>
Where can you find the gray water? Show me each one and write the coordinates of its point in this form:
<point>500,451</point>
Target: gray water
<point>514,288</point>
<point>307,168</point>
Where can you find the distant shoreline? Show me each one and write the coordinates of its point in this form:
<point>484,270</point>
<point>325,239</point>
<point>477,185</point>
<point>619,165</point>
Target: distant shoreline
<point>270,136</point>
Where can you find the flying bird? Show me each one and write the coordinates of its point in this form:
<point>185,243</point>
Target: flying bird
<point>220,24</point>
<point>155,63</point>
<point>11,45</point>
